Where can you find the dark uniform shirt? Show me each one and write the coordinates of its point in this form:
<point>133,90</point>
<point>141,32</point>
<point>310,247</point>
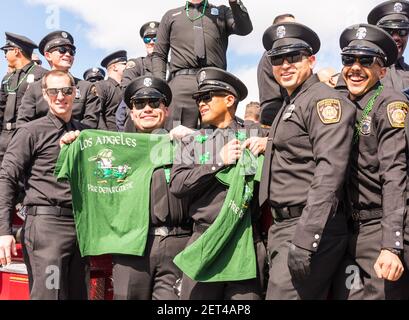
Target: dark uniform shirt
<point>165,209</point>
<point>86,107</point>
<point>13,88</point>
<point>110,96</point>
<point>271,94</point>
<point>32,154</point>
<point>307,156</point>
<point>135,68</point>
<point>397,76</point>
<point>378,165</point>
<point>176,33</point>
<point>191,179</point>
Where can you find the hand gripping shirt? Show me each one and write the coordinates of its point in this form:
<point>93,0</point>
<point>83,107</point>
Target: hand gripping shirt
<point>110,175</point>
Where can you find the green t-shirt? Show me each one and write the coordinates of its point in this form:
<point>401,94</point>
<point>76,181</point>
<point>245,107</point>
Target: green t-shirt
<point>225,251</point>
<point>110,176</point>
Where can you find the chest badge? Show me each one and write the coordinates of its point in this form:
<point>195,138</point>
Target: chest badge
<point>288,113</point>
<point>366,126</point>
<point>78,94</point>
<point>214,11</point>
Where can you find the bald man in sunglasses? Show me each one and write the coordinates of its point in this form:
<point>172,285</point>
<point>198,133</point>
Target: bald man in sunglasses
<point>376,184</point>
<point>59,50</point>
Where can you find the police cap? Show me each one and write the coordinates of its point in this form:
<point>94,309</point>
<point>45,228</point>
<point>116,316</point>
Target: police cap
<point>56,39</point>
<point>147,87</point>
<point>94,74</point>
<point>367,39</point>
<point>117,56</point>
<point>288,37</point>
<point>17,41</point>
<point>215,79</point>
<point>390,15</point>
<point>149,28</point>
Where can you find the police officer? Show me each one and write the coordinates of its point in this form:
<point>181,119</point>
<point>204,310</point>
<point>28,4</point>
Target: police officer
<point>198,35</point>
<point>304,169</point>
<point>59,50</point>
<point>55,267</point>
<point>135,68</point>
<point>154,275</point>
<point>271,95</point>
<point>18,50</point>
<point>377,177</point>
<point>393,17</point>
<point>217,97</point>
<point>109,91</point>
<point>94,74</point>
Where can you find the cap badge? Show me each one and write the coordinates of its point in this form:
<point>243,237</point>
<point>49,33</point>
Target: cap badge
<point>361,33</point>
<point>398,7</point>
<point>64,35</point>
<point>202,76</point>
<point>95,70</point>
<point>152,25</point>
<point>281,32</point>
<point>147,82</point>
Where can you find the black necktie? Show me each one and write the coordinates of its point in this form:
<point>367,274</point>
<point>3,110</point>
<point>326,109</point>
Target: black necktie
<point>159,194</point>
<point>264,189</point>
<point>12,87</point>
<point>200,49</point>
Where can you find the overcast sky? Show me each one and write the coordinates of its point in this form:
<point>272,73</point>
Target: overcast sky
<point>100,27</point>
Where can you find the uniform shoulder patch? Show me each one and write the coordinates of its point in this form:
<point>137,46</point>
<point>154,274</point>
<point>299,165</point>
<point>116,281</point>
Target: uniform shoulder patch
<point>94,90</point>
<point>130,64</point>
<point>329,110</point>
<point>397,112</point>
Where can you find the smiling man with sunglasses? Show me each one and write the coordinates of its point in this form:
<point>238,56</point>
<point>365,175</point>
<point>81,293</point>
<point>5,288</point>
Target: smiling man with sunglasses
<point>200,158</point>
<point>376,184</point>
<point>49,234</point>
<point>393,17</point>
<point>18,50</point>
<point>304,169</point>
<point>59,50</point>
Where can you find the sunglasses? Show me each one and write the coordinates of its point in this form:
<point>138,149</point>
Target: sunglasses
<point>64,50</point>
<point>208,96</point>
<point>149,39</point>
<point>153,103</point>
<point>290,58</point>
<point>365,61</point>
<point>399,32</point>
<point>53,92</point>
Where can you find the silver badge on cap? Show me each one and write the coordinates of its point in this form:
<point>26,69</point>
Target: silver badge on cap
<point>147,82</point>
<point>202,76</point>
<point>30,78</point>
<point>281,32</point>
<point>152,25</point>
<point>361,33</point>
<point>214,12</point>
<point>398,7</point>
<point>64,35</point>
<point>95,70</point>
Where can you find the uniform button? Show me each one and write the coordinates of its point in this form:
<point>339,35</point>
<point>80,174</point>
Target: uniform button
<point>314,245</point>
<point>213,168</point>
<point>397,243</point>
<point>317,236</point>
<point>397,233</point>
